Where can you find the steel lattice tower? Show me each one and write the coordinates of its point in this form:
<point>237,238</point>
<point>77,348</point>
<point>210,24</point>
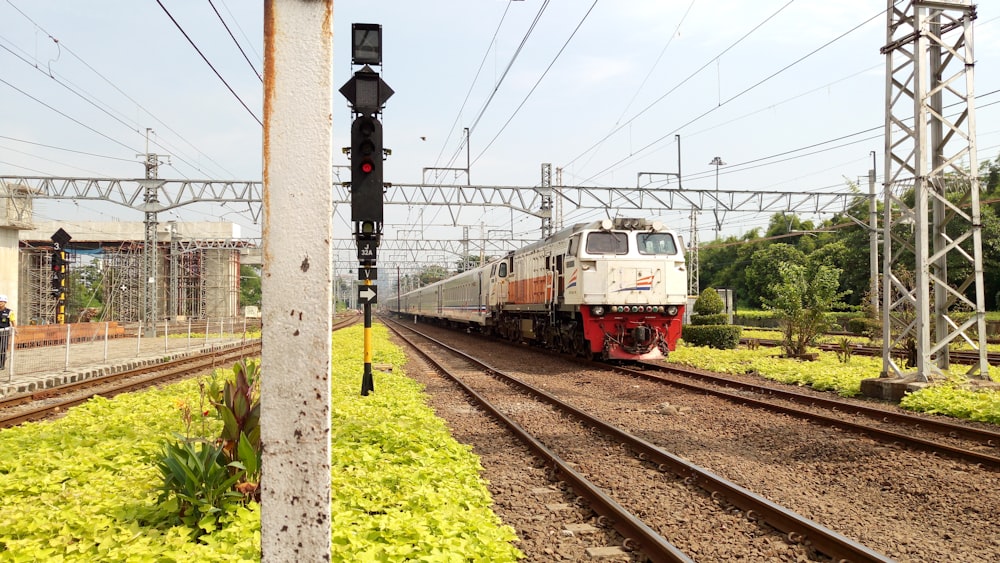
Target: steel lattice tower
<point>932,215</point>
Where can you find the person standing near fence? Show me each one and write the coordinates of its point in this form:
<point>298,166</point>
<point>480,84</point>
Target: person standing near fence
<point>6,322</point>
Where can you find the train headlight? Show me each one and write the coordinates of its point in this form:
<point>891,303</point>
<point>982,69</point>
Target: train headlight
<point>672,310</point>
<point>597,310</point>
<point>635,309</point>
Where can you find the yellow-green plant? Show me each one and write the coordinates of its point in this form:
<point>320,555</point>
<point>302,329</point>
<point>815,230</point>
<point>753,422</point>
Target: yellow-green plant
<point>845,349</point>
<point>239,410</point>
<point>197,479</point>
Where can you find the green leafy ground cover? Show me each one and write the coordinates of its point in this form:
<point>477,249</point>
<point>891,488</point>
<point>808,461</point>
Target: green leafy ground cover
<point>84,488</point>
<point>828,373</point>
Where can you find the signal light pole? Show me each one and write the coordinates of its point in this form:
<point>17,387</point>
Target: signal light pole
<point>367,93</point>
<point>60,273</point>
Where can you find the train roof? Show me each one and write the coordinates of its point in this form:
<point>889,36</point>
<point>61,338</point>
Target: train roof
<point>618,224</point>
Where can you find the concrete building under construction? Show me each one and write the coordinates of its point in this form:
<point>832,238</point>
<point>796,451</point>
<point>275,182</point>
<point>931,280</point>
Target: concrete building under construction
<point>197,273</point>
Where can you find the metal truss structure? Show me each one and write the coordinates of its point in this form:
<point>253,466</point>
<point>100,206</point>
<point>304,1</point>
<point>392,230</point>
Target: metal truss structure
<point>172,194</point>
<point>933,292</point>
<point>152,196</point>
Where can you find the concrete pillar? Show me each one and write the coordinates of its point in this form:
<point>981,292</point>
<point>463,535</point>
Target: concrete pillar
<point>9,269</point>
<point>16,211</point>
<point>297,300</point>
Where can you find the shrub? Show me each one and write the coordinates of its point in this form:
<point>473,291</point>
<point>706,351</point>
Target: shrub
<point>204,477</point>
<point>845,349</point>
<point>239,410</point>
<point>708,326</point>
<point>803,296</point>
<point>864,326</point>
<point>709,303</point>
<point>703,319</point>
<point>723,337</point>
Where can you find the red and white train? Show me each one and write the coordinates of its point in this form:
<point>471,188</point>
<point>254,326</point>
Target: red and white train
<point>611,289</point>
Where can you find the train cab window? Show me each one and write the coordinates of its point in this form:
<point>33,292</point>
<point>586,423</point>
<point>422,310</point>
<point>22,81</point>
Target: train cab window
<point>503,270</point>
<point>607,243</point>
<point>656,243</point>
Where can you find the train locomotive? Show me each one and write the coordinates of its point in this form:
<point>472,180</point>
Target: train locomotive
<point>611,289</point>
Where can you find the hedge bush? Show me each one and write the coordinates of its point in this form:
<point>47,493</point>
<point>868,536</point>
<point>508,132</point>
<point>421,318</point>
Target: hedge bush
<point>709,302</point>
<point>702,320</point>
<point>723,337</point>
<point>864,326</point>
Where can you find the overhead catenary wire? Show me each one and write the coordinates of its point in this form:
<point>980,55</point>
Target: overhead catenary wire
<point>681,83</point>
<point>738,95</point>
<point>210,65</point>
<point>233,37</point>
<point>472,85</point>
<point>67,116</point>
<point>63,47</point>
<point>503,75</point>
<point>537,82</point>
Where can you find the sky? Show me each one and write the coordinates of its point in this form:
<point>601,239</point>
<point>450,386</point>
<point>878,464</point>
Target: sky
<point>790,95</point>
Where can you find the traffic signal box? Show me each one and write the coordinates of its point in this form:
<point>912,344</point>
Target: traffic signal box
<point>366,169</point>
<point>59,271</point>
<point>59,281</point>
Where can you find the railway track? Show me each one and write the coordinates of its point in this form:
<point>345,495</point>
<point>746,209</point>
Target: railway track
<point>559,429</point>
<point>933,434</point>
<point>48,402</point>
<point>44,403</point>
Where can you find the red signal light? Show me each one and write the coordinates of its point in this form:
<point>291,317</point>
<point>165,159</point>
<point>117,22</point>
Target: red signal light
<point>367,166</point>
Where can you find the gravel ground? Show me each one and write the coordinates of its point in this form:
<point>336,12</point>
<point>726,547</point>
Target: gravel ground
<point>910,506</point>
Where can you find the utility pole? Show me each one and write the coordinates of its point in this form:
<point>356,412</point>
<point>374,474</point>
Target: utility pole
<point>717,162</point>
<point>297,281</point>
<point>931,181</point>
<point>151,205</point>
<point>873,295</point>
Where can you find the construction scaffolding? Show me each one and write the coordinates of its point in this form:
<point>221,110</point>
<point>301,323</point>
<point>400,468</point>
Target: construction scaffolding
<point>37,302</point>
<point>123,287</point>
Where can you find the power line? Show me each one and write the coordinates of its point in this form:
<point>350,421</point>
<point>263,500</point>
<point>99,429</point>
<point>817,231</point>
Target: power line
<point>74,120</point>
<point>475,78</point>
<point>253,68</point>
<point>740,94</point>
<point>537,82</point>
<point>134,128</point>
<point>204,58</point>
<point>66,150</point>
<point>510,64</point>
<point>681,83</point>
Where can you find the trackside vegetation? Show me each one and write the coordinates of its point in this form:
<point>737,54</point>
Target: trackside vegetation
<point>830,372</point>
<point>86,487</point>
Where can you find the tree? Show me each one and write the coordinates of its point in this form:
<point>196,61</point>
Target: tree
<point>764,265</point>
<point>84,296</point>
<point>802,298</point>
<point>724,264</point>
<point>431,274</point>
<point>249,286</point>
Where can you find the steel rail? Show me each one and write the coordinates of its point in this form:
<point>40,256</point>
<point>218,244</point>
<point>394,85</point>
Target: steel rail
<point>166,371</point>
<point>797,527</point>
<point>964,357</point>
<point>986,437</point>
<point>637,533</point>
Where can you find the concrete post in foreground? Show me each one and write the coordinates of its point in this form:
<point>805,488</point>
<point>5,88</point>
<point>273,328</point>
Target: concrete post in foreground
<point>297,280</point>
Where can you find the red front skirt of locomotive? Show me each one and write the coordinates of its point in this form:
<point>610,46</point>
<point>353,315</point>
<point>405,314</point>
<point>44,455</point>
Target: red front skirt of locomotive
<point>641,332</point>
